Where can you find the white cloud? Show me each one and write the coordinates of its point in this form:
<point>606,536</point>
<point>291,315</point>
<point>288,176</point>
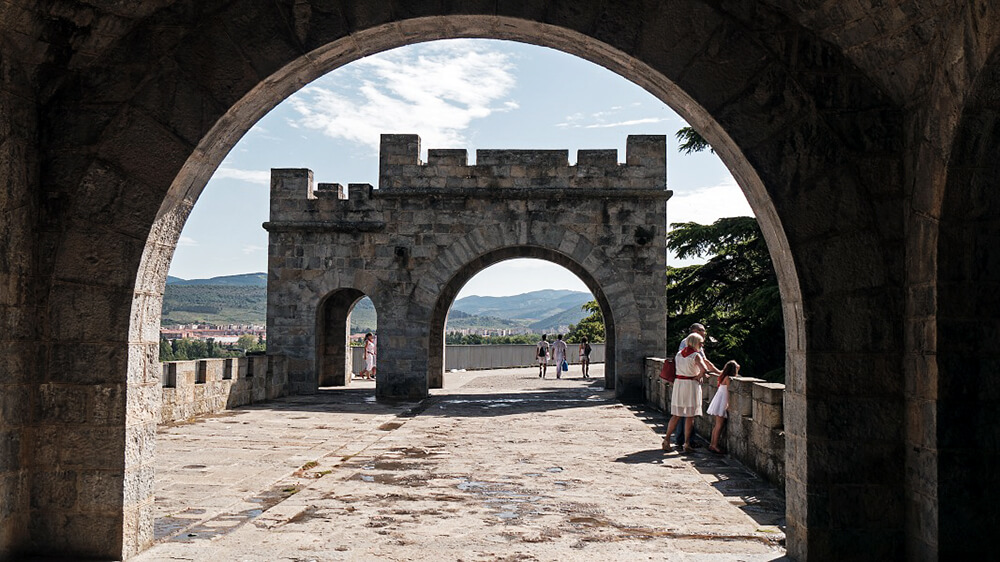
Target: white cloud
<point>251,249</point>
<point>627,123</point>
<point>260,177</point>
<point>186,241</point>
<point>706,205</point>
<point>607,119</point>
<point>434,90</point>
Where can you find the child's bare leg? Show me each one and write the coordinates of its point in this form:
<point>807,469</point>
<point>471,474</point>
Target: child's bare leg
<point>716,431</point>
<point>688,426</point>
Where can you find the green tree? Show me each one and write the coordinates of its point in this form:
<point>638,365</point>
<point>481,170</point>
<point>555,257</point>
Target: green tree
<point>692,141</point>
<point>249,342</point>
<point>166,350</point>
<point>591,326</point>
<point>735,294</point>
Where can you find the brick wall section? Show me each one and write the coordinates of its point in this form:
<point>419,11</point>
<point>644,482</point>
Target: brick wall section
<point>228,383</point>
<point>755,430</point>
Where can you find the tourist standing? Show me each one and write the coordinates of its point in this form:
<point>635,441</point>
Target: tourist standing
<point>720,403</point>
<point>585,357</point>
<point>370,353</point>
<point>542,353</point>
<point>696,328</point>
<point>685,397</point>
<point>559,354</point>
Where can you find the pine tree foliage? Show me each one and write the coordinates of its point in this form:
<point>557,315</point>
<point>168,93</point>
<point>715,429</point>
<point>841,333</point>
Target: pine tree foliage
<point>692,141</point>
<point>735,294</point>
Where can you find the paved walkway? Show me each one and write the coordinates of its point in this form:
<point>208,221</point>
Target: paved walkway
<point>498,466</point>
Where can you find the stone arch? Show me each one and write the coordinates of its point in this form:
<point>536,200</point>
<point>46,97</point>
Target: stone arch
<point>333,329</point>
<point>486,246</point>
<point>957,397</point>
<point>318,319</point>
<point>812,142</point>
<point>439,314</point>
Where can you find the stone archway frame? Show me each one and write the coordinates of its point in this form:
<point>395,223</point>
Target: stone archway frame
<point>215,144</point>
<point>302,375</point>
<point>955,315</point>
<point>333,354</point>
<point>488,257</point>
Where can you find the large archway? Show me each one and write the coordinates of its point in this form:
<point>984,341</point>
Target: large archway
<point>812,172</point>
<point>439,314</point>
<point>954,402</point>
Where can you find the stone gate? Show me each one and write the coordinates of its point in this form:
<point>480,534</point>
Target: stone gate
<point>413,243</point>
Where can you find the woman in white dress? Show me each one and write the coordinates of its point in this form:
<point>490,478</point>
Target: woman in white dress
<point>685,397</point>
<point>370,352</point>
<point>720,403</point>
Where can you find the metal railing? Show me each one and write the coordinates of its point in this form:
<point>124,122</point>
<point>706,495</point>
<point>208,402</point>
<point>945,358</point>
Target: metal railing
<point>473,357</point>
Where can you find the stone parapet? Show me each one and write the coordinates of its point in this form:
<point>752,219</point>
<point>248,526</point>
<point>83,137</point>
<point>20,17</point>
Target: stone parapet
<point>645,167</point>
<point>755,430</point>
<point>210,386</point>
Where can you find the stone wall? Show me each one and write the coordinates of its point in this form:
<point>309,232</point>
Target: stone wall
<point>20,348</point>
<point>755,430</point>
<point>209,386</point>
<point>412,244</point>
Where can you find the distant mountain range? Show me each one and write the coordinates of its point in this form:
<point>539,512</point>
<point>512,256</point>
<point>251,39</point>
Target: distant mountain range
<point>242,299</point>
<point>241,280</point>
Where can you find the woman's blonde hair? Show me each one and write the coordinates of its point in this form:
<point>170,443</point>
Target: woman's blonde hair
<point>692,339</point>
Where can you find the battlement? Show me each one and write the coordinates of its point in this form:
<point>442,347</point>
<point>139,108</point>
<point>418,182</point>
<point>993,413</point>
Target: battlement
<point>645,166</point>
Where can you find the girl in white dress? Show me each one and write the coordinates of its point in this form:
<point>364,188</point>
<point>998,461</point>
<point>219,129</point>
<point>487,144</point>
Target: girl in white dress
<point>720,403</point>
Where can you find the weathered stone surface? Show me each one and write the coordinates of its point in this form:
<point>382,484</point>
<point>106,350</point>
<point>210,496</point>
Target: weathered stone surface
<point>863,134</point>
<point>413,279</point>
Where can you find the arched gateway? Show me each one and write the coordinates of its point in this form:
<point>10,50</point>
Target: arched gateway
<point>412,244</point>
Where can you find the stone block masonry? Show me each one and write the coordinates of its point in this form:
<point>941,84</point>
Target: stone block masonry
<point>413,243</point>
<point>210,386</point>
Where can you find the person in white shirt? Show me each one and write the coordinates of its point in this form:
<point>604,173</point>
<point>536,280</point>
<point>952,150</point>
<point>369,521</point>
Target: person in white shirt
<point>559,354</point>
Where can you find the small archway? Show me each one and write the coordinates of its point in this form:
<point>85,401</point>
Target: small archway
<point>334,363</point>
<point>439,314</point>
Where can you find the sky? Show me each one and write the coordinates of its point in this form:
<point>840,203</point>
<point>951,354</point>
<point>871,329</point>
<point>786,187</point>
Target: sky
<point>462,93</point>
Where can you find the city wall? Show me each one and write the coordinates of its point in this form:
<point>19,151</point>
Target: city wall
<point>755,430</point>
<point>209,386</point>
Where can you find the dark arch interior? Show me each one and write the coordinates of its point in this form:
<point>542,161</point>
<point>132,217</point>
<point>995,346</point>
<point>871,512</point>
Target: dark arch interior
<point>439,314</point>
<point>968,327</point>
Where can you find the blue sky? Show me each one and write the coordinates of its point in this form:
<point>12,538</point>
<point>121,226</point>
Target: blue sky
<point>463,93</point>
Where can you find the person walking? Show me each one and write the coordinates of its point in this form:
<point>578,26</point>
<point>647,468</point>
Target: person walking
<point>559,354</point>
<point>542,354</point>
<point>719,405</point>
<point>685,397</point>
<point>585,357</point>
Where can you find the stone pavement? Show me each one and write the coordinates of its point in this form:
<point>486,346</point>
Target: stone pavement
<point>498,465</point>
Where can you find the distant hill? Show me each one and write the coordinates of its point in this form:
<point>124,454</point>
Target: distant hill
<point>242,299</point>
<point>534,306</point>
<point>243,279</point>
<point>214,304</point>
